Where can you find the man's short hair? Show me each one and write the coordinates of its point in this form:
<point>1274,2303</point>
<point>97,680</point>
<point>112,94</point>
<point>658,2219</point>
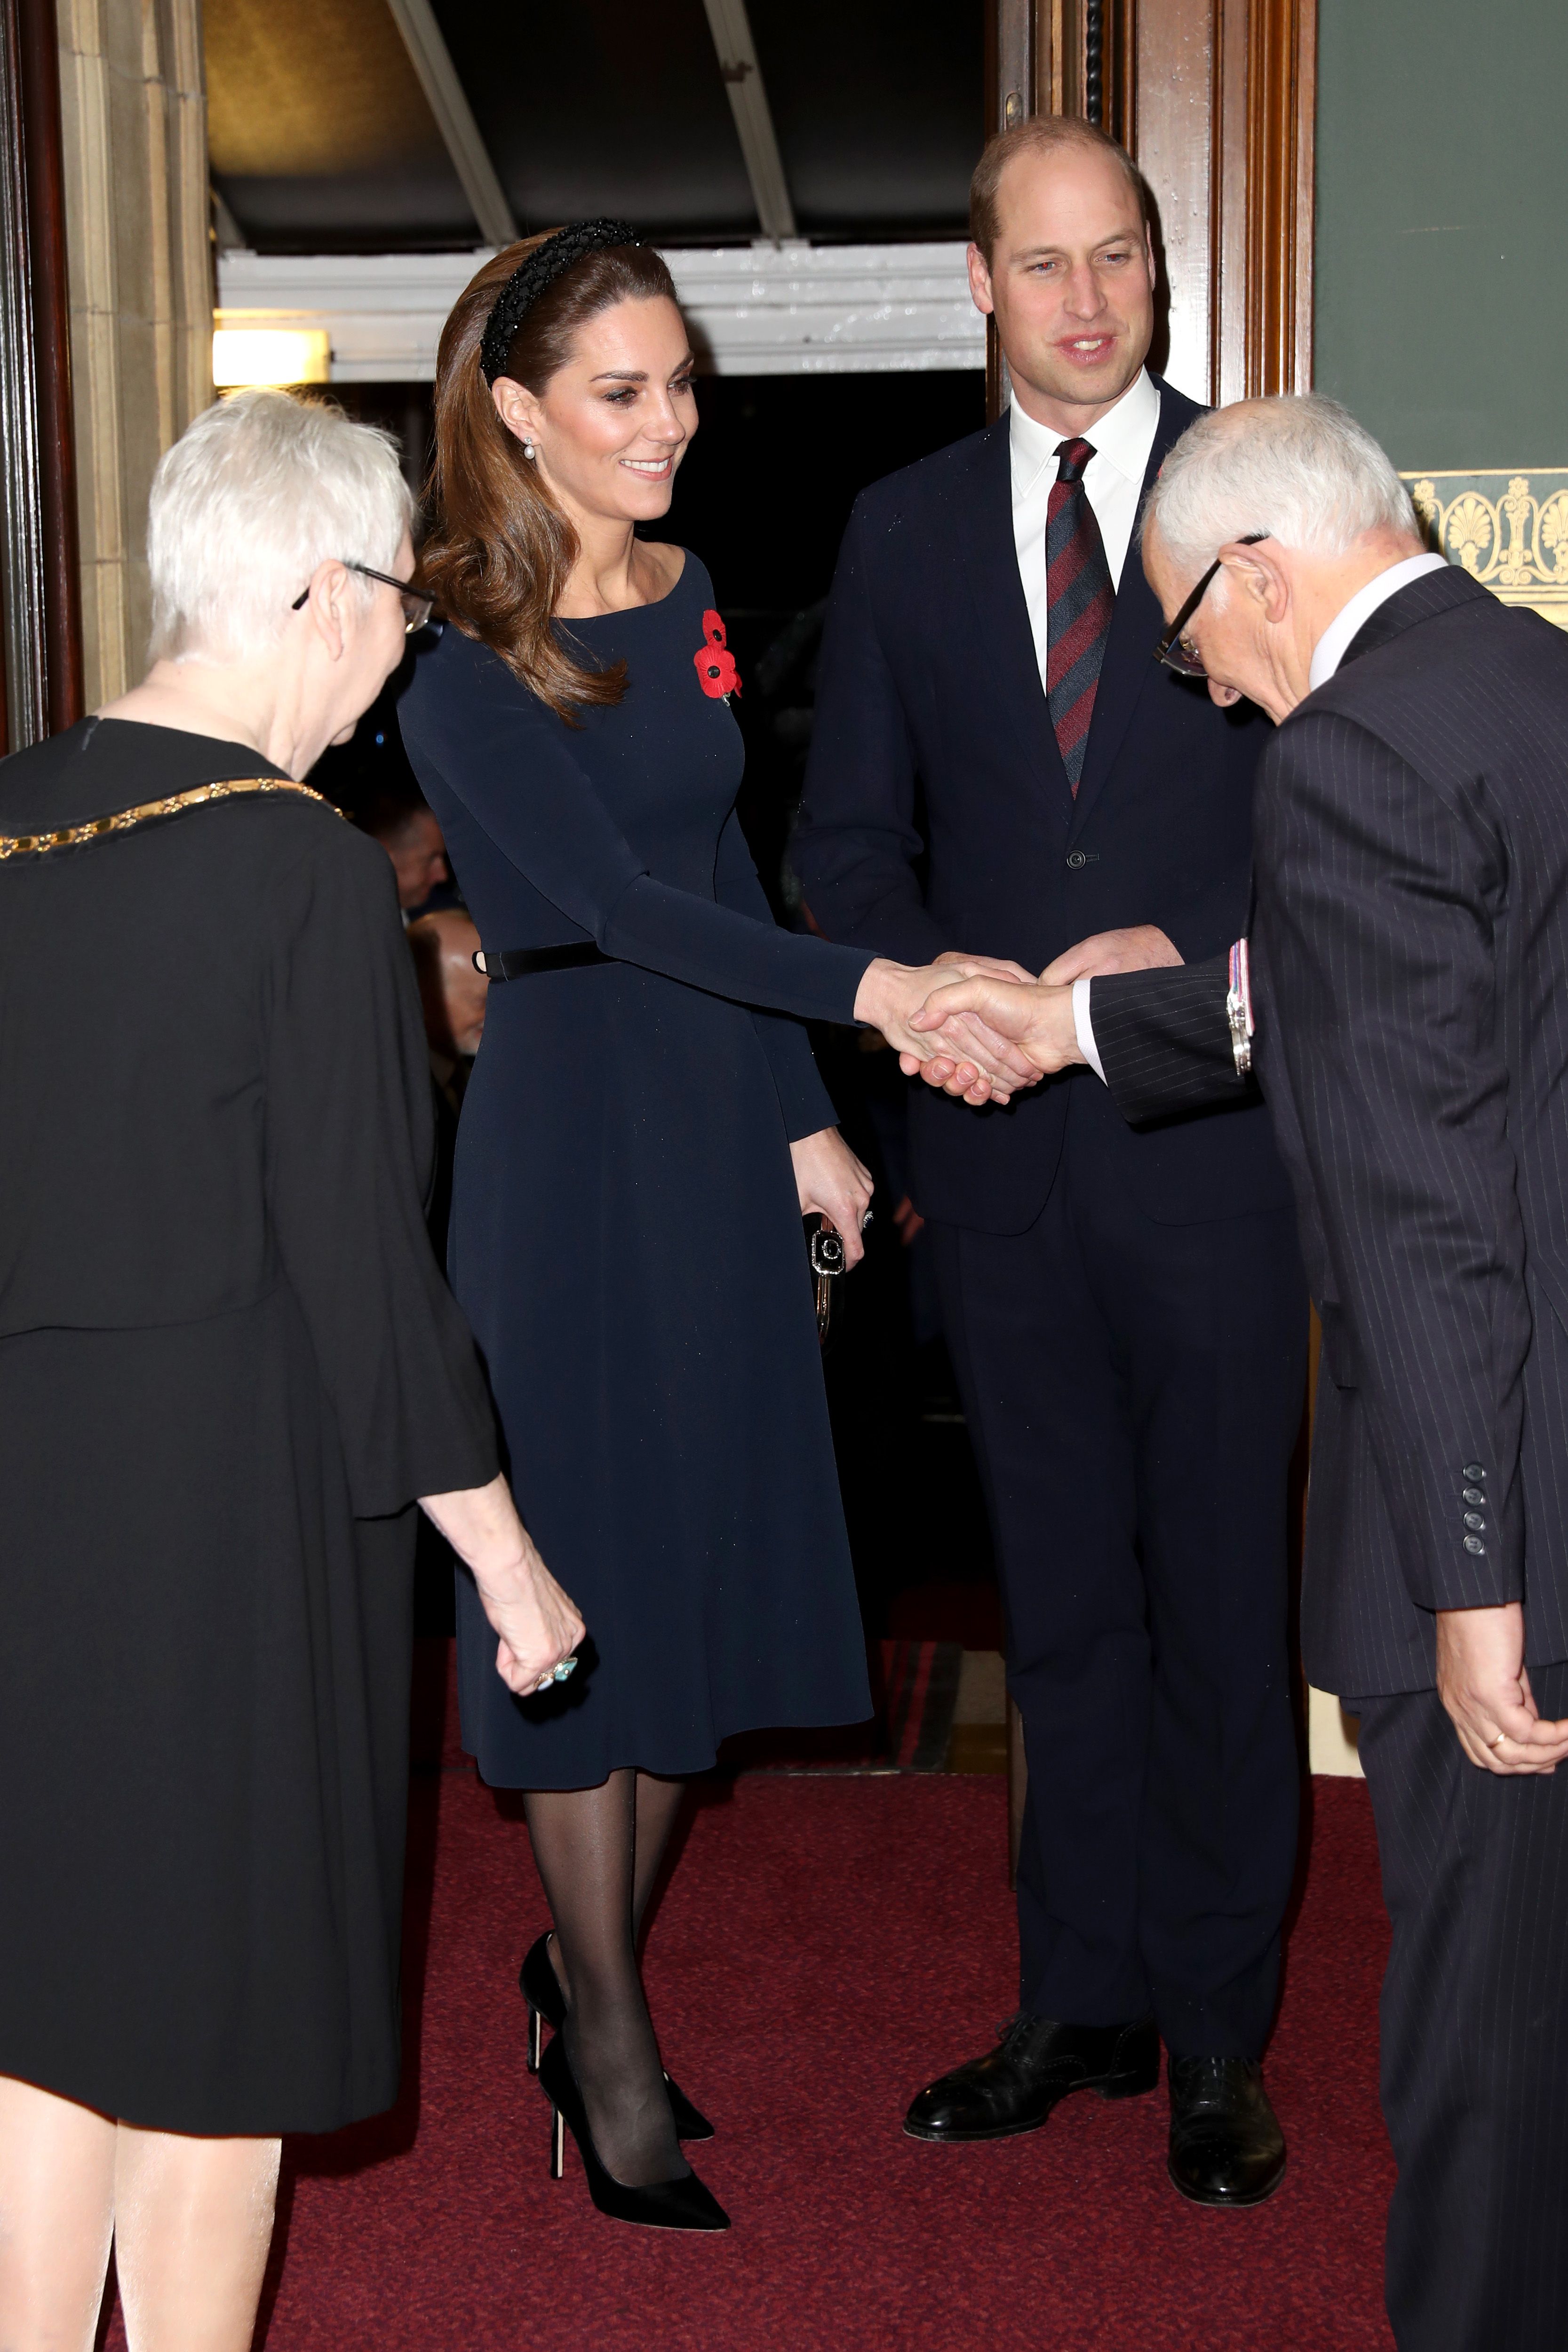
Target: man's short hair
<point>1042,134</point>
<point>253,496</point>
<point>1298,467</point>
<point>392,816</point>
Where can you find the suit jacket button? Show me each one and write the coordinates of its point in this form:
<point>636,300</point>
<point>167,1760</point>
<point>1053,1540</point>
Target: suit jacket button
<point>1474,1519</point>
<point>1474,1543</point>
<point>1076,858</point>
<point>1474,1470</point>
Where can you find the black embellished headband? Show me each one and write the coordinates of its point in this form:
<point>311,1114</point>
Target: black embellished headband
<point>543,266</point>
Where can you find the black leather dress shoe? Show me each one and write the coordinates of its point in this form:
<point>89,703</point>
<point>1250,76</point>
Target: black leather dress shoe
<point>1036,2063</point>
<point>1227,2147</point>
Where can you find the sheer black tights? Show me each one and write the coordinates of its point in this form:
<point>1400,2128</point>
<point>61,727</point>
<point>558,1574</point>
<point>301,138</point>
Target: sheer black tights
<point>598,1852</point>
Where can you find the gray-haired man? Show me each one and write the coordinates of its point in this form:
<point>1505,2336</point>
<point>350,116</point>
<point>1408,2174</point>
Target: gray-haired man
<point>1409,993</point>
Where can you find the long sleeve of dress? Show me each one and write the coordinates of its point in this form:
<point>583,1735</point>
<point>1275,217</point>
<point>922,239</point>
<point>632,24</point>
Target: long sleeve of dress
<point>806,1104</point>
<point>349,1141</point>
<point>507,760</point>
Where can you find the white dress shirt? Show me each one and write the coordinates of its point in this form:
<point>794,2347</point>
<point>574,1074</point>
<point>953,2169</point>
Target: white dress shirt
<point>1348,622</point>
<point>1113,484</point>
<point>1112,481</point>
<point>1327,654</point>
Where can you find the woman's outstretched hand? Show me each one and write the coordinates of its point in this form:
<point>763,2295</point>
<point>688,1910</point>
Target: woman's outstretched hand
<point>1040,1023</point>
<point>833,1185</point>
<point>1031,1020</point>
<point>979,1063</point>
<point>537,1622</point>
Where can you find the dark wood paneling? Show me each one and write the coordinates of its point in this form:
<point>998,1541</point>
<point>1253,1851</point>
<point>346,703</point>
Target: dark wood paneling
<point>1286,262</point>
<point>40,606</point>
<point>1121,71</point>
<point>1224,133</point>
<point>1214,98</point>
<point>21,525</point>
<point>52,362</point>
<point>1174,69</point>
<point>1010,28</point>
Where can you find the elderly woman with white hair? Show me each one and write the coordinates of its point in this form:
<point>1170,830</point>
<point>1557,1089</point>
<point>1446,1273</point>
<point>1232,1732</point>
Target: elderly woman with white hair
<point>229,1369</point>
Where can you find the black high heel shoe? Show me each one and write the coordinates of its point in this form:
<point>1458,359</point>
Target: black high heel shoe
<point>682,2204</point>
<point>541,1987</point>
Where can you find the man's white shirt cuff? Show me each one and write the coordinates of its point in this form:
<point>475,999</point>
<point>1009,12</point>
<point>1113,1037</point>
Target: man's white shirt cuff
<point>1084,1027</point>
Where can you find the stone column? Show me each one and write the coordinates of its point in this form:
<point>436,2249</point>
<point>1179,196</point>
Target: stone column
<point>133,121</point>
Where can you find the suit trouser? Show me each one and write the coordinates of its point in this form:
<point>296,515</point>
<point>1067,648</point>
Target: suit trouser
<point>1134,1393</point>
<point>1475,2032</point>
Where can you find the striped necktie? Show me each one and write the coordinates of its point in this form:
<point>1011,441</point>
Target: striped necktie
<point>1079,601</point>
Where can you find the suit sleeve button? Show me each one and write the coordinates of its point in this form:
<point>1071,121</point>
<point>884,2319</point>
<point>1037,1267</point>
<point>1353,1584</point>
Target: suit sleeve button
<point>1474,1519</point>
<point>1474,1470</point>
<point>1474,1543</point>
<point>1474,1494</point>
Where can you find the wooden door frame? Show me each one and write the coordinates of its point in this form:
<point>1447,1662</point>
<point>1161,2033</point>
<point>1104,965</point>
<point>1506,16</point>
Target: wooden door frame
<point>1216,101</point>
<point>40,584</point>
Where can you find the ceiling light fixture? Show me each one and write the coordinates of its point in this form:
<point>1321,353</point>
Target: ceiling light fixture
<point>255,355</point>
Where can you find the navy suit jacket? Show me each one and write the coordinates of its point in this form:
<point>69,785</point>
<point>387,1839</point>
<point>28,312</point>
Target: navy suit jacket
<point>938,815</point>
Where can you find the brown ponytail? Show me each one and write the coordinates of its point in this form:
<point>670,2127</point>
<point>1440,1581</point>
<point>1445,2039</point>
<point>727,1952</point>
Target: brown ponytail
<point>500,551</point>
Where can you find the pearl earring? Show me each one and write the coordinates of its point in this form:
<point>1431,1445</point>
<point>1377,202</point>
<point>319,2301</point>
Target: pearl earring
<point>528,448</point>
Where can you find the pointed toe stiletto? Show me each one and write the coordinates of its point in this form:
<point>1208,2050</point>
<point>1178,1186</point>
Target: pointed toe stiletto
<point>540,1989</point>
<point>683,2204</point>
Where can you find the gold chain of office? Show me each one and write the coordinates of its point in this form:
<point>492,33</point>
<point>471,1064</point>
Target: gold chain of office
<point>73,836</point>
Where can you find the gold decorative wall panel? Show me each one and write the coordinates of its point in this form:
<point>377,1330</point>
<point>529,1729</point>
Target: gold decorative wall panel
<point>1509,527</point>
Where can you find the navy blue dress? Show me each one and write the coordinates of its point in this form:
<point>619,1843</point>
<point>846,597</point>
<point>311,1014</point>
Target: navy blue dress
<point>625,1235</point>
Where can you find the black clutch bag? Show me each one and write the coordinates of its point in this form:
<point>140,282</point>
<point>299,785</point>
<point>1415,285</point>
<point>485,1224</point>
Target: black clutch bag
<point>825,1247</point>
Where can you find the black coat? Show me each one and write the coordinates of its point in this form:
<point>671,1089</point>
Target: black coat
<point>1410,960</point>
<point>229,1365</point>
<point>938,815</point>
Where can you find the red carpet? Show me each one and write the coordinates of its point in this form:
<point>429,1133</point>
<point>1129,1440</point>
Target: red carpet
<point>826,1945</point>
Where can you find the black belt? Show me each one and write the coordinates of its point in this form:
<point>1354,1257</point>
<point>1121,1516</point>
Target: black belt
<point>511,963</point>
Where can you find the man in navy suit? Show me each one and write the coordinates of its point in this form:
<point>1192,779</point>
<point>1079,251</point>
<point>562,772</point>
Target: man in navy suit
<point>1410,959</point>
<point>997,759</point>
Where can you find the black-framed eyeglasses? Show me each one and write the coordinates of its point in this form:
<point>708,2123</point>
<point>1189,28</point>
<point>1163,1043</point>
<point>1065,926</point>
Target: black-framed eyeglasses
<point>416,606</point>
<point>1174,650</point>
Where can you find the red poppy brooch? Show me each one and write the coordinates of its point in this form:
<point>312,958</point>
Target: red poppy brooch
<point>716,671</point>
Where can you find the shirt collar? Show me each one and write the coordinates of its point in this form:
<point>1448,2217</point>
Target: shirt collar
<point>1348,622</point>
<point>1123,438</point>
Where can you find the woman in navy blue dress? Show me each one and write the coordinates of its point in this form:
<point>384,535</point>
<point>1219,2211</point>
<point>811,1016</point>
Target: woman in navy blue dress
<point>643,1128</point>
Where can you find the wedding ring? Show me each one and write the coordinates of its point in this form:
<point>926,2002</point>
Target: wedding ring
<point>568,1666</point>
<point>1499,1740</point>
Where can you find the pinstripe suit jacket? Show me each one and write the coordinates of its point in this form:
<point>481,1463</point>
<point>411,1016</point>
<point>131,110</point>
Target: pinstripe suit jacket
<point>1410,961</point>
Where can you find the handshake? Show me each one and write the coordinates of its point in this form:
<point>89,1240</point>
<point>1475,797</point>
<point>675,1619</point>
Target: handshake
<point>982,1028</point>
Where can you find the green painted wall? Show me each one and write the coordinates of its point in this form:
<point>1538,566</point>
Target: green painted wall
<point>1442,226</point>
